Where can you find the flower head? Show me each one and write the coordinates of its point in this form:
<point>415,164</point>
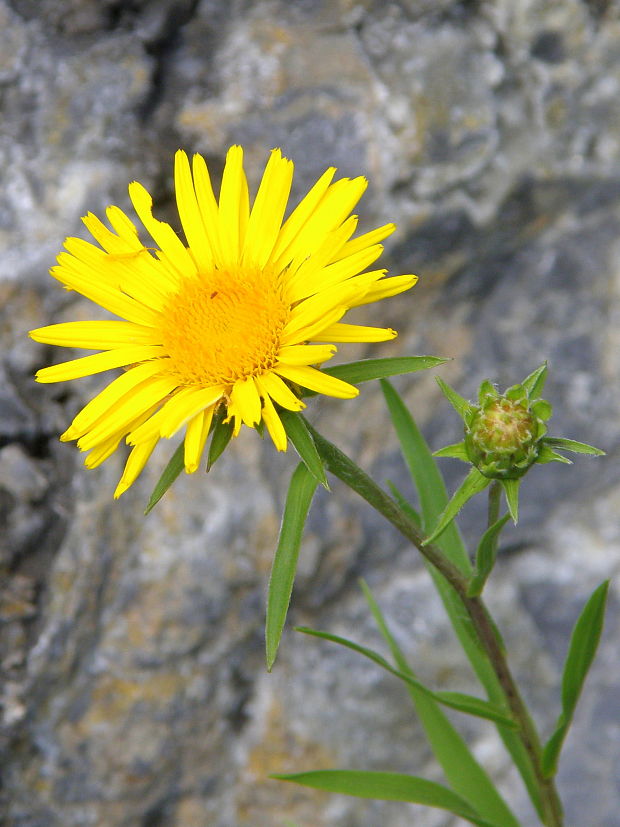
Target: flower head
<point>233,320</point>
<point>505,436</point>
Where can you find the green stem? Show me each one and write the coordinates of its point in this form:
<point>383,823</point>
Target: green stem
<point>495,493</point>
<point>348,472</point>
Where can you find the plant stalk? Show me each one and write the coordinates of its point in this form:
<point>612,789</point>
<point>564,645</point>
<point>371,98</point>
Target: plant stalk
<point>495,493</point>
<point>348,472</point>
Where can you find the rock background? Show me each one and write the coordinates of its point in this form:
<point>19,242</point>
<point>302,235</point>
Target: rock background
<point>133,685</point>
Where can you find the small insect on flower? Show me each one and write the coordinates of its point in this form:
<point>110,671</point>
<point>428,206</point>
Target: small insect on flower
<point>232,320</point>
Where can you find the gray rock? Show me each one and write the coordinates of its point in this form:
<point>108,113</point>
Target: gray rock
<point>131,651</point>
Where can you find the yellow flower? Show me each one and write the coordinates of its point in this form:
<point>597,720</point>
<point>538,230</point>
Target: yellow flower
<point>230,321</point>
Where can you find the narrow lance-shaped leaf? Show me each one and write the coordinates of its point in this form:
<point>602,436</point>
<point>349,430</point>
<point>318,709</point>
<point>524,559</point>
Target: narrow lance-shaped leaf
<point>478,707</point>
<point>300,493</point>
<point>388,786</point>
<point>511,490</point>
<point>366,370</point>
<point>222,434</point>
<point>298,433</point>
<point>581,651</point>
<point>547,454</point>
<point>574,446</point>
<point>462,771</point>
<point>455,451</point>
<point>460,405</point>
<point>171,472</point>
<point>460,701</point>
<point>473,484</point>
<point>535,382</point>
<point>485,556</point>
<point>425,475</point>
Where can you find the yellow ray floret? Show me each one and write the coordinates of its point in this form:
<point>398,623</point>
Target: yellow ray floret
<point>232,319</point>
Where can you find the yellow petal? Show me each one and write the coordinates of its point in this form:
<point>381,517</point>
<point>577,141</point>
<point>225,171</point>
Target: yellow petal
<point>105,449</point>
<point>136,273</point>
<point>305,354</point>
<point>95,284</point>
<point>127,410</point>
<point>274,425</point>
<point>298,218</point>
<point>268,210</point>
<point>207,206</point>
<point>308,326</point>
<point>332,210</point>
<point>163,234</point>
<point>183,406</point>
<point>338,273</point>
<point>385,288</point>
<point>354,333</point>
<point>245,402</point>
<point>269,384</point>
<point>317,381</point>
<point>366,240</point>
<point>110,241</point>
<point>306,313</point>
<point>103,404</point>
<point>189,213</point>
<point>94,335</point>
<point>234,206</point>
<point>135,463</point>
<point>196,435</point>
<point>123,225</point>
<point>102,452</point>
<point>97,363</point>
<point>302,282</point>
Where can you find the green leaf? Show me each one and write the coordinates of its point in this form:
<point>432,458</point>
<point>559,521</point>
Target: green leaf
<point>516,393</point>
<point>300,493</point>
<point>388,786</point>
<point>222,434</point>
<point>535,382</point>
<point>485,557</point>
<point>477,707</point>
<point>405,505</point>
<point>542,409</point>
<point>574,446</point>
<point>468,704</point>
<point>455,451</point>
<point>462,771</point>
<point>171,472</point>
<point>473,484</point>
<point>460,405</point>
<point>433,498</point>
<point>583,644</point>
<point>425,475</point>
<point>547,454</point>
<point>511,490</point>
<point>298,433</point>
<point>487,390</point>
<point>368,369</point>
<point>581,651</point>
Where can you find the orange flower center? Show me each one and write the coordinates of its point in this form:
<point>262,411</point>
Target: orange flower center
<point>224,326</point>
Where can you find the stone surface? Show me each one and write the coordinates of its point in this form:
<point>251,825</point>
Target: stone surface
<point>133,686</point>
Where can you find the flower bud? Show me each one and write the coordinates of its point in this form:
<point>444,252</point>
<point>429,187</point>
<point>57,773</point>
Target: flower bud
<point>503,434</point>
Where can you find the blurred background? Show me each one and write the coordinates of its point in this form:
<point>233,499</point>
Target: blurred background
<point>134,690</point>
